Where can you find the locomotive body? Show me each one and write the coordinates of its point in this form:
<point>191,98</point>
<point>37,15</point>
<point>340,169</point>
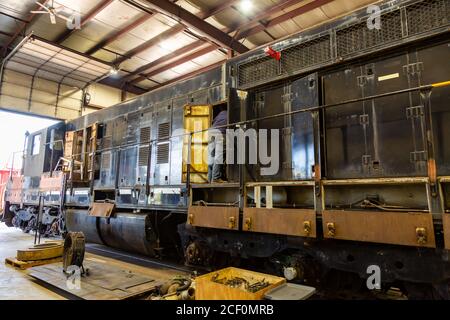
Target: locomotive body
<point>363,170</point>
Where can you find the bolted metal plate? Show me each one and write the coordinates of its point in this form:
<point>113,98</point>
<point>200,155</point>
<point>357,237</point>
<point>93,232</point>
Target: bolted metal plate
<point>380,227</point>
<point>214,217</point>
<point>294,222</point>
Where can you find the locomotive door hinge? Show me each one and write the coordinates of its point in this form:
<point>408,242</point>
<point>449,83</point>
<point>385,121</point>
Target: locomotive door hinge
<point>418,156</point>
<point>364,119</point>
<point>414,112</point>
<point>366,159</point>
<point>259,105</point>
<point>362,80</point>
<point>413,69</point>
<point>287,97</point>
<point>286,132</point>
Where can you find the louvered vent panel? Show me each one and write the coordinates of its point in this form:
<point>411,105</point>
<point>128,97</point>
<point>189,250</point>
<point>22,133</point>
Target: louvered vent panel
<point>106,160</point>
<point>162,154</point>
<point>106,142</point>
<point>144,153</point>
<point>163,131</point>
<point>145,135</point>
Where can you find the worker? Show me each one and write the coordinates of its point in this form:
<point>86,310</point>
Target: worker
<point>216,147</point>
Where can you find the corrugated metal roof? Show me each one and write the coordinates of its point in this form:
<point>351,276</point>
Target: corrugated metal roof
<point>107,26</point>
<point>44,60</point>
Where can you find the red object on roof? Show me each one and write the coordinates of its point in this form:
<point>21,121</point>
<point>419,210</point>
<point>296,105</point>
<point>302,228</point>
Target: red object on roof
<point>273,53</point>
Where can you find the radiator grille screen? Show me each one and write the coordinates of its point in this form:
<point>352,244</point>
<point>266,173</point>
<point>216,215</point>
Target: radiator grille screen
<point>257,70</point>
<point>307,54</point>
<point>359,37</point>
<point>427,15</point>
<point>348,41</point>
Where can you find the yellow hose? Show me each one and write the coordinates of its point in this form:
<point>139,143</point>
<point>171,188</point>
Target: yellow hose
<point>441,84</point>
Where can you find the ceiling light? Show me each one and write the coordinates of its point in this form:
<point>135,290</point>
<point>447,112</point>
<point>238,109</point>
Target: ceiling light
<point>246,5</point>
<point>114,70</point>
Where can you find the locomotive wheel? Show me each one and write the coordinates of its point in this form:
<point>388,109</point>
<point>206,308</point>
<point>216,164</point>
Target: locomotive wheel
<point>74,249</point>
<point>30,225</point>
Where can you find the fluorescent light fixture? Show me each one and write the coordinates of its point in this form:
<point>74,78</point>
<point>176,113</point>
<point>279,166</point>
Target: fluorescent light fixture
<point>246,5</point>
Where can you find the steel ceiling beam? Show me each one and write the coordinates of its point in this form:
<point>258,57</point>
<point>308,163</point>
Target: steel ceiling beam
<point>209,31</point>
<point>166,58</point>
<point>119,33</point>
<point>119,84</point>
<point>87,18</point>
<point>212,12</point>
<point>258,28</point>
<point>189,57</point>
<point>148,44</point>
<point>22,26</point>
<point>177,53</point>
<point>188,75</point>
<point>284,17</point>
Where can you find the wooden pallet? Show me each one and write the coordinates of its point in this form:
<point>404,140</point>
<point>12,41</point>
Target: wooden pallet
<point>22,265</point>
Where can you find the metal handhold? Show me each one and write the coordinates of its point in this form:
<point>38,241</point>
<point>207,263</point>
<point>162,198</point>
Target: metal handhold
<point>248,224</point>
<point>232,222</point>
<point>331,227</point>
<point>421,234</point>
<point>307,227</point>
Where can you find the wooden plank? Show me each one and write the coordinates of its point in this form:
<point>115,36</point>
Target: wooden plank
<point>214,217</point>
<point>446,222</point>
<point>380,227</point>
<point>104,282</point>
<point>101,209</point>
<point>294,222</point>
<point>40,252</point>
<point>207,289</point>
<point>28,264</point>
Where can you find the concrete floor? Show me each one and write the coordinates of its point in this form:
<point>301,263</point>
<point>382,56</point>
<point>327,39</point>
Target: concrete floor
<point>18,285</point>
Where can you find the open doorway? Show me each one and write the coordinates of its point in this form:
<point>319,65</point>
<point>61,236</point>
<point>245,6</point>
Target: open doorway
<point>13,127</point>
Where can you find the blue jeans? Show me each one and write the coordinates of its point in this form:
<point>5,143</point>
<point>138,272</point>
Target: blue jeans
<point>216,155</point>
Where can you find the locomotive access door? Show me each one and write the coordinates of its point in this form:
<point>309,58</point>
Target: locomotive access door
<point>381,137</point>
<point>196,118</point>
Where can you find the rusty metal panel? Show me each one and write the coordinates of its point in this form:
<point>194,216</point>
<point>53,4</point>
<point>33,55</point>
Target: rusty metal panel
<point>69,147</point>
<point>51,183</point>
<point>293,222</point>
<point>446,222</point>
<point>14,190</point>
<point>409,229</point>
<point>101,210</point>
<point>214,217</point>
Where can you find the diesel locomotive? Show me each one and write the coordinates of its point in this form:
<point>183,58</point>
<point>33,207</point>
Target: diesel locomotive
<point>364,160</point>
